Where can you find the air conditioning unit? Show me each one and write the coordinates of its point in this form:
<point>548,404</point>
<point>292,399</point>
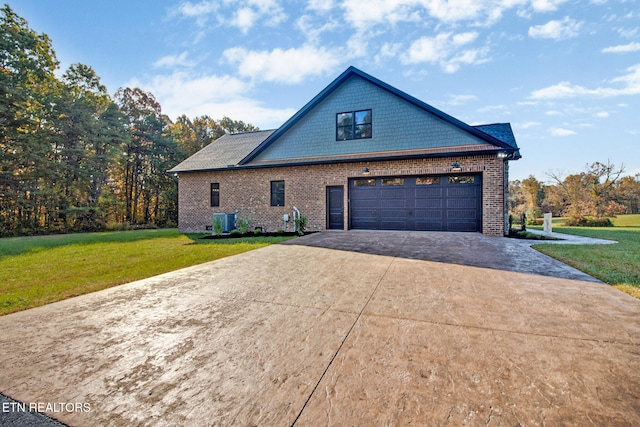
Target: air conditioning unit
<point>228,221</point>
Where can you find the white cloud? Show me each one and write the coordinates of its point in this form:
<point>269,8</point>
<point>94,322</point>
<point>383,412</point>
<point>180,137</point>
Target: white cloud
<point>320,5</point>
<point>627,33</point>
<point>171,61</point>
<point>527,125</point>
<point>556,30</point>
<point>630,85</point>
<point>489,108</point>
<point>311,30</point>
<point>481,13</point>
<point>457,10</point>
<point>624,48</point>
<point>561,132</point>
<point>546,5</point>
<point>553,113</point>
<point>461,99</point>
<point>464,38</point>
<point>358,45</point>
<point>282,66</point>
<point>241,14</point>
<point>429,49</point>
<point>388,50</point>
<point>244,18</point>
<point>217,96</point>
<point>198,9</point>
<point>472,56</point>
<point>378,11</point>
<point>602,114</point>
<point>445,49</point>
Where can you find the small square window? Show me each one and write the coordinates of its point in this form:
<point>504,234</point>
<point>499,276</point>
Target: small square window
<point>215,194</point>
<point>353,125</point>
<point>277,193</point>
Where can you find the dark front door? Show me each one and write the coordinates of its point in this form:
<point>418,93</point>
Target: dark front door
<point>335,207</point>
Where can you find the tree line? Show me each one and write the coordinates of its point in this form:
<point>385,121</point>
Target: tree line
<point>73,157</point>
<point>590,197</point>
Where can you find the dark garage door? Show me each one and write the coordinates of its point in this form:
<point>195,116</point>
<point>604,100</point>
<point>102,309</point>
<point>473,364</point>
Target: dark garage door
<point>431,203</point>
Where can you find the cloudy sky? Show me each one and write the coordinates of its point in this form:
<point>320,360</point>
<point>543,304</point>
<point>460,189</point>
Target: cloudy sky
<point>565,74</point>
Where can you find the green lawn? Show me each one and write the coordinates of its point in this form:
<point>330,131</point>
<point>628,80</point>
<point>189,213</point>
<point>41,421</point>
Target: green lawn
<point>618,265</point>
<point>627,220</point>
<point>39,270</point>
<point>619,221</point>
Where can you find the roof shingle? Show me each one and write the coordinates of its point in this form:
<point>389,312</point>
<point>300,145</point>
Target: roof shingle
<point>228,150</point>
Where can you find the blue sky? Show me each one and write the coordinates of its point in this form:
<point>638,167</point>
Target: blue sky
<point>565,74</point>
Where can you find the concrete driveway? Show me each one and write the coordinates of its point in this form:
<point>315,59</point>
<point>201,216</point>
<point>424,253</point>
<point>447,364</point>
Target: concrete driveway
<point>298,334</point>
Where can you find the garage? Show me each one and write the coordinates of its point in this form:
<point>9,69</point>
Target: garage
<point>428,203</point>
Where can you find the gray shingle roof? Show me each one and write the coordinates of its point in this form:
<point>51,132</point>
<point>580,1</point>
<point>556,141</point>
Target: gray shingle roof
<point>225,151</point>
<point>501,131</point>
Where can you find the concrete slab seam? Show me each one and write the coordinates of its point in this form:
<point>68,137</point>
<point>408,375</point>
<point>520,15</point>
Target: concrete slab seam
<point>343,341</point>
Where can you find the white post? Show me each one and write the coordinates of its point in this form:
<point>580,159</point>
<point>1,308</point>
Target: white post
<point>547,223</point>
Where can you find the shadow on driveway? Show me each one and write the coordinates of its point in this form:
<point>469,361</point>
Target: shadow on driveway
<point>471,249</point>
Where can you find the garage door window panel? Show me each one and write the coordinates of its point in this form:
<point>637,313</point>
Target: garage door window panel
<point>428,180</point>
<point>364,182</point>
<point>392,182</point>
<point>462,179</point>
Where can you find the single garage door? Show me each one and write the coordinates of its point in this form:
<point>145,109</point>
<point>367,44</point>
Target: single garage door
<point>431,203</point>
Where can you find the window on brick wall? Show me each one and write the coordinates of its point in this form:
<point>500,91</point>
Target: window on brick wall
<point>277,193</point>
<point>215,194</point>
<point>353,125</point>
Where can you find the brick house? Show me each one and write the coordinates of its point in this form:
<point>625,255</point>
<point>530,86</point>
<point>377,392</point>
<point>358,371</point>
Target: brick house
<point>359,155</point>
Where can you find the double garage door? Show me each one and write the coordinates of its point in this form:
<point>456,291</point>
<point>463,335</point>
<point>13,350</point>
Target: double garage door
<point>431,203</point>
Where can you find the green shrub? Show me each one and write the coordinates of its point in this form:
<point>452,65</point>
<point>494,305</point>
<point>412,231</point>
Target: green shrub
<point>300,224</point>
<point>235,232</point>
<point>589,222</point>
<point>243,225</point>
<point>217,226</point>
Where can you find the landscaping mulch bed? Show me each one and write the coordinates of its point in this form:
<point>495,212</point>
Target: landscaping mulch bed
<point>529,236</point>
<point>252,234</point>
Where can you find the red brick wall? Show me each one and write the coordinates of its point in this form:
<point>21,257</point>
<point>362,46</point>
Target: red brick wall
<point>247,191</point>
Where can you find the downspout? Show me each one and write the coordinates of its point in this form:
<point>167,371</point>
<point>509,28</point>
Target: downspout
<point>295,225</point>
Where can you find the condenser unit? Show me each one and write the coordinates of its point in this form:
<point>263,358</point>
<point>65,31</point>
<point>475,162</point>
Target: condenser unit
<point>228,221</point>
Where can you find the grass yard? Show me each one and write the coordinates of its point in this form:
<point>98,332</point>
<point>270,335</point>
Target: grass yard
<point>618,265</point>
<point>39,270</point>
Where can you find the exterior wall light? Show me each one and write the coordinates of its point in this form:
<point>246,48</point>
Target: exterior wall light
<point>456,167</point>
<point>366,172</point>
